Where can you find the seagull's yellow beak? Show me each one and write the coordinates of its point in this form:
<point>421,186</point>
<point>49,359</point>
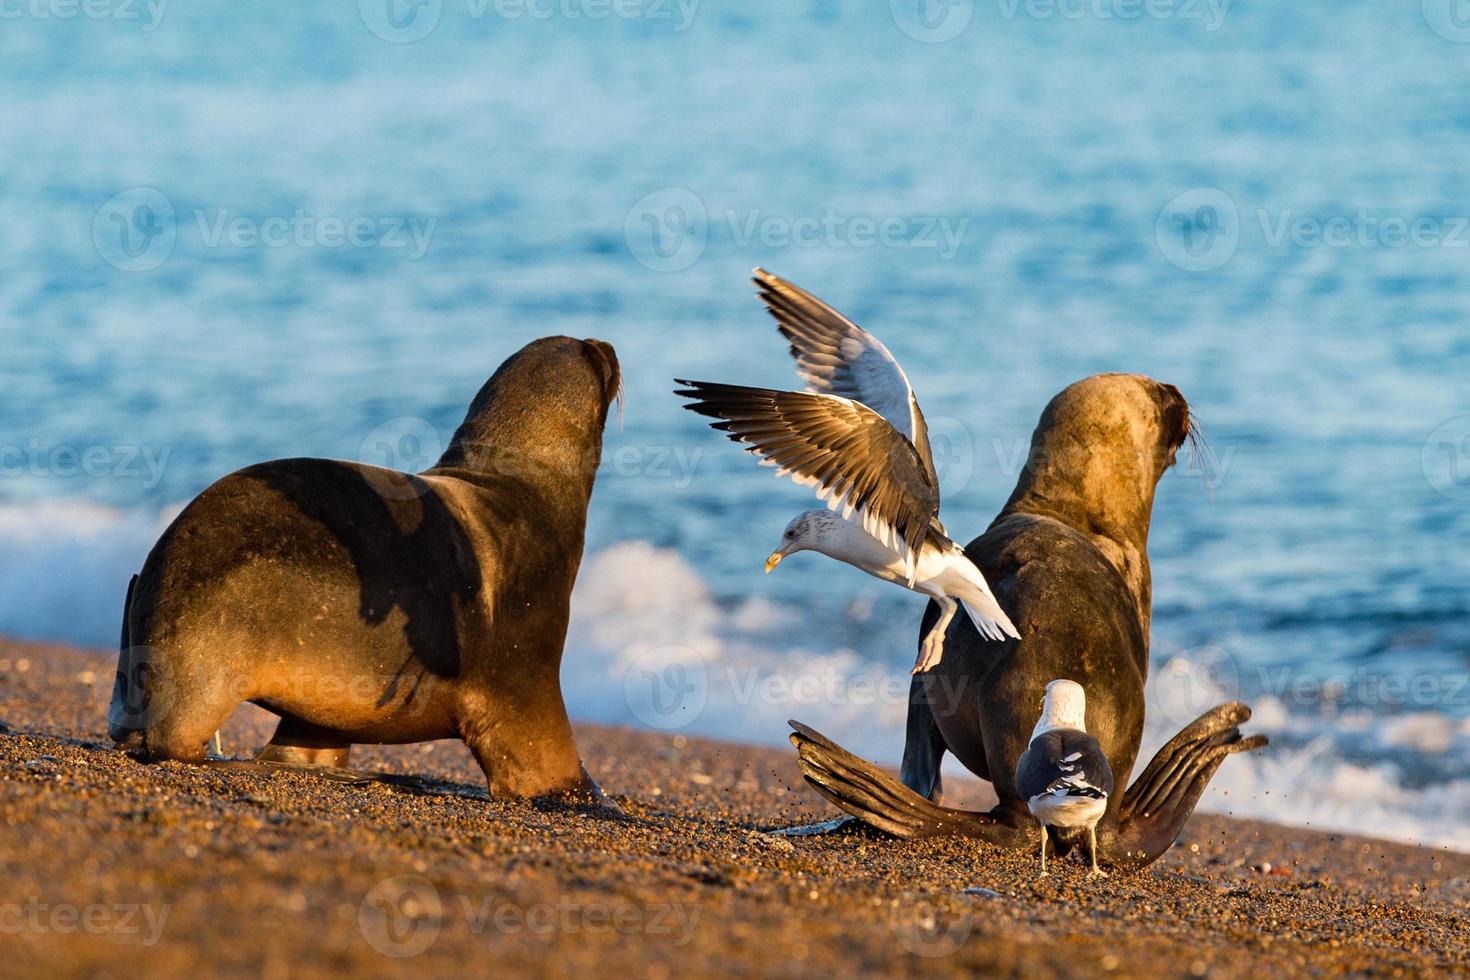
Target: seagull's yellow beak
<point>774,560</point>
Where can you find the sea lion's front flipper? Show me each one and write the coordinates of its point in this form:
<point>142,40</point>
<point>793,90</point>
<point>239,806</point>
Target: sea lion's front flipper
<point>879,800</point>
<point>1160,800</point>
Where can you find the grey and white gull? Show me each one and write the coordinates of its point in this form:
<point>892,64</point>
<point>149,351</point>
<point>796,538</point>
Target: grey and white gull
<point>857,437</point>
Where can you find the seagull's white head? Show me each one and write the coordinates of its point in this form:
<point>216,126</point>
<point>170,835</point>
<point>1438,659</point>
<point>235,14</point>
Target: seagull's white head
<point>1063,706</point>
<point>806,532</point>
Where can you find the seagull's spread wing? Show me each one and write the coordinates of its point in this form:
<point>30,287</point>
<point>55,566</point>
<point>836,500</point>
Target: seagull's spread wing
<point>853,457</point>
<point>835,356</point>
<point>1064,762</point>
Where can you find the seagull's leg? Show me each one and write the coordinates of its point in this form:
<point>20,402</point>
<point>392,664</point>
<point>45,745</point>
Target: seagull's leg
<point>1096,872</point>
<point>1043,849</point>
<point>932,649</point>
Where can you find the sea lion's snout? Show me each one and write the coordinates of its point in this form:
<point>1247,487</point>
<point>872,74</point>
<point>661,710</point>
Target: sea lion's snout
<point>1175,419</point>
<point>602,355</point>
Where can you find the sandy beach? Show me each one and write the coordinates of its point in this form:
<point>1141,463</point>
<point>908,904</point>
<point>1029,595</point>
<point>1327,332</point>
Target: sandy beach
<point>113,867</point>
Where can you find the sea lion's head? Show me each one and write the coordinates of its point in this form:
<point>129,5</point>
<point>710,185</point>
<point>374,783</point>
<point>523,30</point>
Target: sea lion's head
<point>543,409</point>
<point>1096,457</point>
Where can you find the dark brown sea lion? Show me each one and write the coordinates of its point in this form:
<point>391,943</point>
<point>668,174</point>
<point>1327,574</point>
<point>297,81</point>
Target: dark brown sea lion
<point>1067,558</point>
<point>366,605</point>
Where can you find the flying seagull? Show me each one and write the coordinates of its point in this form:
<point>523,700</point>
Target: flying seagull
<point>1064,775</point>
<point>857,437</point>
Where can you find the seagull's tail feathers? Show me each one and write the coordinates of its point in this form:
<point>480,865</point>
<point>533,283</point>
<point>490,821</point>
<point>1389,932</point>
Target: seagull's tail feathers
<point>986,614</point>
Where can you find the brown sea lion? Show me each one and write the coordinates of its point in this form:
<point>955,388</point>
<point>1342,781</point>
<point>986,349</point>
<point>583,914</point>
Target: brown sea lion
<point>366,605</point>
<point>1067,558</point>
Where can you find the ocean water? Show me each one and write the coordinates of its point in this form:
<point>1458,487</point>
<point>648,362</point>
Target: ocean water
<point>232,232</point>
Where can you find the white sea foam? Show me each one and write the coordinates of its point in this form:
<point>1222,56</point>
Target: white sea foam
<point>1402,777</point>
<point>65,566</point>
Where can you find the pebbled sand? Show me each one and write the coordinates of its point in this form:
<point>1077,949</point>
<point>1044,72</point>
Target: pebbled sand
<point>109,868</point>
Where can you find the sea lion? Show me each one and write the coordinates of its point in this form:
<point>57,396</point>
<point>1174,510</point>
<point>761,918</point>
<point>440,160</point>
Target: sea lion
<point>1067,558</point>
<point>366,605</point>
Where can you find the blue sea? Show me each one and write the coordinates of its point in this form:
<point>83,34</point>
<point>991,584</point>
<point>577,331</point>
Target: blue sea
<point>232,232</point>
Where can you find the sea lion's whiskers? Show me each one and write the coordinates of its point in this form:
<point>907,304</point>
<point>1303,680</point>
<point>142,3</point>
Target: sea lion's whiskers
<point>1201,454</point>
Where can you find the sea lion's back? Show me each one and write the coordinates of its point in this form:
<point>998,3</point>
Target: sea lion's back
<point>1057,586</point>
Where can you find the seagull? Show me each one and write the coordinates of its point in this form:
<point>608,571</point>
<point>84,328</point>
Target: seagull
<point>857,437</point>
<point>1064,775</point>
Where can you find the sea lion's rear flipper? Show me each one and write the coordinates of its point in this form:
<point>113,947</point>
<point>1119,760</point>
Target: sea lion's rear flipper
<point>879,800</point>
<point>1160,800</point>
<point>298,742</point>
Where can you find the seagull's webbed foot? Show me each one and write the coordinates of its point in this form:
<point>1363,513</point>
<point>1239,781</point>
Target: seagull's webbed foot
<point>879,800</point>
<point>1160,800</point>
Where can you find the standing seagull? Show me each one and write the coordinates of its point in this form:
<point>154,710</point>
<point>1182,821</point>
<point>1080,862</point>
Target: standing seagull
<point>857,436</point>
<point>1064,775</point>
